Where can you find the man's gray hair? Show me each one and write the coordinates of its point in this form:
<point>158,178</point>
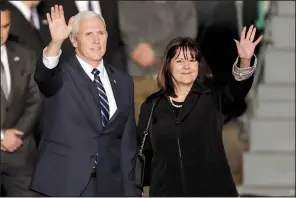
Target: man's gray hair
<point>82,15</point>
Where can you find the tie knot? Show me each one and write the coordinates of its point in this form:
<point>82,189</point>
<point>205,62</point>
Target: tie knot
<point>95,72</point>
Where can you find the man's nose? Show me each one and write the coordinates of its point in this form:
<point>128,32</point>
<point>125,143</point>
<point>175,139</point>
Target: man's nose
<point>97,38</point>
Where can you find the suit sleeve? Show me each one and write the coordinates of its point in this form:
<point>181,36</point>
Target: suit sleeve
<point>128,150</point>
<point>33,103</point>
<point>48,79</point>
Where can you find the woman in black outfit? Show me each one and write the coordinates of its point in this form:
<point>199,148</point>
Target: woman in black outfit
<point>185,137</point>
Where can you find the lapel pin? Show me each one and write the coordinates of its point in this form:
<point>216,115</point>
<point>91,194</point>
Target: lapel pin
<point>114,81</point>
<point>44,21</point>
<point>16,58</point>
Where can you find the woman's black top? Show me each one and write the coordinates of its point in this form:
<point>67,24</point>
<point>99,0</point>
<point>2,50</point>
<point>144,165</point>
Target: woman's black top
<point>185,146</point>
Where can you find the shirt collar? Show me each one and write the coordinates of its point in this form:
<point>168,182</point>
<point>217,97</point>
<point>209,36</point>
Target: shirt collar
<point>23,9</point>
<point>3,50</point>
<point>88,68</point>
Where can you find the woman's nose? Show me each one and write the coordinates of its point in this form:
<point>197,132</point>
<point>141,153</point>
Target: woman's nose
<point>186,64</point>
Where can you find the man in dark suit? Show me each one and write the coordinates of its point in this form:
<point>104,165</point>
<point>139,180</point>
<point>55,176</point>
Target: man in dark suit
<point>29,25</point>
<point>116,52</point>
<point>20,108</point>
<point>88,143</point>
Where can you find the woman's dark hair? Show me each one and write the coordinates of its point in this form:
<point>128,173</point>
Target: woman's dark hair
<point>164,78</point>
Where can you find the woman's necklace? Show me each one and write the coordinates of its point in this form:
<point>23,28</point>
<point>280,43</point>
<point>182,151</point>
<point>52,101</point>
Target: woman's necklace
<point>177,106</point>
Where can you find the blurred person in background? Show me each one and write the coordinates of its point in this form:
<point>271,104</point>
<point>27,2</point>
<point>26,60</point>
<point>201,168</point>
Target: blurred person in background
<point>20,109</point>
<point>116,53</point>
<point>185,136</point>
<point>29,25</point>
<point>147,26</point>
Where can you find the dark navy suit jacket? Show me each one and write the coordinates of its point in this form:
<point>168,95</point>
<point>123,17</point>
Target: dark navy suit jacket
<point>73,134</point>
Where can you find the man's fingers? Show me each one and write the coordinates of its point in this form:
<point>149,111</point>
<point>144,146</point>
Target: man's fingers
<point>236,42</point>
<point>17,132</point>
<point>3,148</point>
<point>70,23</point>
<point>52,14</point>
<point>61,13</point>
<point>11,149</point>
<point>57,11</point>
<point>18,143</point>
<point>48,19</point>
<point>15,146</point>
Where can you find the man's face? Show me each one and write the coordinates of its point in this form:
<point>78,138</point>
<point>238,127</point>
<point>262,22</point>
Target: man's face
<point>35,3</point>
<point>5,25</point>
<point>32,3</point>
<point>91,40</point>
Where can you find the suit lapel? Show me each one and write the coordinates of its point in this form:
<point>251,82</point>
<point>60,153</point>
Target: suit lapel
<point>3,108</point>
<point>86,86</point>
<point>23,29</point>
<point>89,86</point>
<point>113,82</point>
<point>14,67</point>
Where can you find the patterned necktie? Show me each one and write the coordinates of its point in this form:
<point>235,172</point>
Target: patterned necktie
<point>32,19</point>
<point>90,8</point>
<point>103,97</point>
<point>103,101</point>
<point>4,84</point>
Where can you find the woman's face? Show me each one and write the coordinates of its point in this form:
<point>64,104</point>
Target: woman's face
<point>184,67</point>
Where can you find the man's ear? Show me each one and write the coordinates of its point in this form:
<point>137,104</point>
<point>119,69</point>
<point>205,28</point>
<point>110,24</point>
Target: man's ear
<point>73,39</point>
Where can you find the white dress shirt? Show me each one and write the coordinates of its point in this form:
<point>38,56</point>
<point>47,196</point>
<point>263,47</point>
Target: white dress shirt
<point>2,135</point>
<point>83,6</point>
<point>27,12</point>
<point>4,60</point>
<point>51,62</point>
